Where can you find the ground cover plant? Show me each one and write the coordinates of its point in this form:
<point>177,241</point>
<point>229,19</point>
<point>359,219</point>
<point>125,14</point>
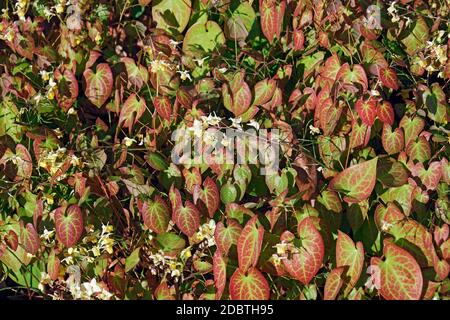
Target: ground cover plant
<point>94,206</point>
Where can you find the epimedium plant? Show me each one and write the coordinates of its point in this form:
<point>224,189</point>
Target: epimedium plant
<point>94,207</point>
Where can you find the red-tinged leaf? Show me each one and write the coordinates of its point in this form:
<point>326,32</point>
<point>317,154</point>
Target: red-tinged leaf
<point>226,236</point>
<point>187,218</point>
<point>329,116</point>
<point>320,103</point>
<point>392,140</point>
<point>357,75</point>
<point>385,113</point>
<point>400,275</point>
<point>356,182</point>
<point>175,198</point>
<point>29,238</point>
<point>98,85</point>
<point>137,74</point>
<point>412,127</point>
<point>249,244</point>
<point>67,92</point>
<point>220,273</point>
<point>69,225</point>
<point>132,111</point>
<point>333,284</point>
<point>330,200</point>
<point>305,264</point>
<point>272,14</point>
<point>373,57</point>
<point>331,67</point>
<point>12,240</point>
<point>389,78</point>
<point>441,234</point>
<point>430,177</point>
<point>164,292</point>
<point>445,170</point>
<point>156,215</point>
<point>367,110</point>
<point>163,107</point>
<point>298,39</point>
<point>350,257</point>
<point>209,195</point>
<point>419,149</point>
<point>360,135</point>
<point>184,98</point>
<point>442,268</point>
<point>24,163</point>
<point>237,95</point>
<point>192,178</point>
<point>53,264</point>
<point>264,91</point>
<point>250,285</point>
<point>445,250</point>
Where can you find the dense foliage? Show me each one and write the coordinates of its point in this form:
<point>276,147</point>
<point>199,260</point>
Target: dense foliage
<point>92,205</point>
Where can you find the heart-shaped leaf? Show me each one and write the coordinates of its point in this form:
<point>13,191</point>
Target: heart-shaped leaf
<point>209,195</point>
<point>430,177</point>
<point>356,182</point>
<point>385,113</point>
<point>69,225</point>
<point>305,264</point>
<point>400,275</point>
<point>67,92</point>
<point>98,85</point>
<point>156,215</point>
<point>249,285</point>
<point>419,149</point>
<point>226,236</point>
<point>412,127</point>
<point>388,78</point>
<point>350,257</point>
<point>132,111</point>
<point>393,141</point>
<point>367,110</point>
<point>249,244</point>
<point>187,218</point>
<point>349,76</point>
<point>264,91</point>
<point>272,14</point>
<point>53,265</point>
<point>29,238</point>
<point>333,283</point>
<point>137,74</point>
<point>220,273</point>
<point>163,107</point>
<point>237,95</point>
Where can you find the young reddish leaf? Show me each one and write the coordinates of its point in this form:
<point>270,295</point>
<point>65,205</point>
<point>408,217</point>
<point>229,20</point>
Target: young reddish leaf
<point>175,198</point>
<point>250,285</point>
<point>163,107</point>
<point>12,240</point>
<point>187,218</point>
<point>351,257</point>
<point>156,215</point>
<point>400,275</point>
<point>220,273</point>
<point>192,178</point>
<point>305,264</point>
<point>419,149</point>
<point>53,264</point>
<point>164,292</point>
<point>356,182</point>
<point>357,75</point>
<point>393,141</point>
<point>360,135</point>
<point>209,195</point>
<point>412,127</point>
<point>389,78</point>
<point>264,91</point>
<point>227,236</point>
<point>29,238</point>
<point>333,283</point>
<point>298,39</point>
<point>249,244</point>
<point>385,113</point>
<point>137,74</point>
<point>184,98</point>
<point>98,86</point>
<point>67,92</point>
<point>132,111</point>
<point>329,116</point>
<point>69,225</point>
<point>331,67</point>
<point>272,14</point>
<point>441,234</point>
<point>373,57</point>
<point>441,267</point>
<point>237,95</point>
<point>367,110</point>
<point>24,163</point>
<point>430,177</point>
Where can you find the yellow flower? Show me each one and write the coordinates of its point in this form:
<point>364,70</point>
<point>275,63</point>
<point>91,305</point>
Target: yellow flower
<point>98,38</point>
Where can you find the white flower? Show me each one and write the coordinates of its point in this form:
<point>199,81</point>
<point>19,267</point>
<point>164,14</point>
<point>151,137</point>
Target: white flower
<point>174,43</point>
<point>236,123</point>
<point>254,124</point>
<point>184,74</point>
<point>209,138</point>
<point>281,248</point>
<point>211,120</point>
<point>52,83</point>
<point>196,128</point>
<point>45,75</point>
<point>200,61</point>
<point>313,130</point>
<point>385,226</point>
<point>223,70</point>
<point>128,142</point>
